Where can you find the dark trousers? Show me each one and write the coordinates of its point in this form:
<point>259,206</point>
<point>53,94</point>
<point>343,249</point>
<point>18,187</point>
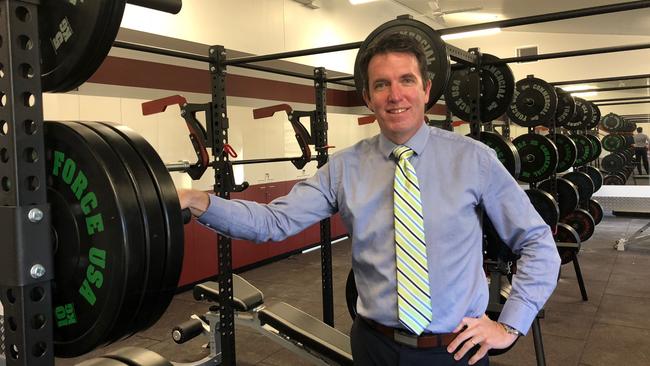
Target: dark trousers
<point>641,154</point>
<point>370,348</point>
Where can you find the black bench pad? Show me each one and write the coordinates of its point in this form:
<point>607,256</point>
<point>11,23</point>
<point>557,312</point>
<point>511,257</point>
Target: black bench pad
<point>245,296</point>
<point>308,330</point>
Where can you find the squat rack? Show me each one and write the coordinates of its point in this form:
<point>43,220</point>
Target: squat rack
<point>26,259</point>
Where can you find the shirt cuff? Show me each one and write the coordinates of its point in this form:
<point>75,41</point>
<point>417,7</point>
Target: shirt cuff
<point>216,212</point>
<point>517,315</point>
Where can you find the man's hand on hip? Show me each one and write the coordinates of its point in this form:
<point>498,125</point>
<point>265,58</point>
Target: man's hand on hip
<point>482,332</point>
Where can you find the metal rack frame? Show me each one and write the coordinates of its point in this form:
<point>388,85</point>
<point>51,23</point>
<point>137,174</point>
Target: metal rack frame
<point>26,259</point>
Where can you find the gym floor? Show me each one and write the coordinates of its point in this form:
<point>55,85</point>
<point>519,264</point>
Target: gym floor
<point>612,328</point>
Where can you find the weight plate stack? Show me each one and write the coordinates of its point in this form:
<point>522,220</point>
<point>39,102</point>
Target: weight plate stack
<point>75,39</point>
<point>566,151</point>
<point>613,180</point>
<point>596,147</point>
<point>497,87</point>
<point>584,149</point>
<point>595,116</point>
<point>567,194</point>
<point>611,122</point>
<point>438,64</point>
<point>171,211</point>
<point>566,107</point>
<point>596,211</point>
<point>613,142</point>
<point>583,117</point>
<point>538,156</point>
<point>545,205</point>
<point>534,102</point>
<point>584,184</point>
<point>566,234</point>
<point>582,222</point>
<point>505,150</point>
<point>595,175</point>
<point>98,233</point>
<point>613,162</point>
<point>154,225</point>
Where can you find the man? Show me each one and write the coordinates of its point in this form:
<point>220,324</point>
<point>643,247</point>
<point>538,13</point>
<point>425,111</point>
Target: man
<point>413,216</point>
<point>641,150</point>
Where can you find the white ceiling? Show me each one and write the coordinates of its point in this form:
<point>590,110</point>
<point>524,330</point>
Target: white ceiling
<point>634,22</point>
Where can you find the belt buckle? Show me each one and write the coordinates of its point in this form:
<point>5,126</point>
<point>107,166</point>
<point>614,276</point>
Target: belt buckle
<point>406,339</point>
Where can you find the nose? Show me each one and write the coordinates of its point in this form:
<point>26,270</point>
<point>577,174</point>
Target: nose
<point>395,93</point>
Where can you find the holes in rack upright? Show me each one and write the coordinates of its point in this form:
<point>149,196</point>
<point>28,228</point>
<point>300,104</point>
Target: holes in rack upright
<point>29,99</point>
<point>5,183</point>
<point>30,127</point>
<point>39,349</point>
<point>4,155</point>
<point>23,14</point>
<point>26,71</point>
<point>31,155</point>
<point>33,184</point>
<point>38,321</point>
<point>25,42</point>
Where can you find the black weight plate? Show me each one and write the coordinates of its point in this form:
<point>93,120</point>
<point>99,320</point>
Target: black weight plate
<point>494,248</point>
<point>351,295</point>
<point>582,222</point>
<point>583,117</point>
<point>534,102</point>
<point>545,205</point>
<point>595,175</point>
<point>584,184</point>
<point>629,140</point>
<point>623,175</point>
<point>153,223</point>
<point>596,211</point>
<point>497,87</point>
<point>75,37</point>
<point>566,234</point>
<point>613,180</point>
<point>612,163</point>
<point>597,148</point>
<point>171,210</point>
<point>98,232</point>
<point>566,107</point>
<point>566,151</point>
<point>506,151</point>
<point>595,116</point>
<point>567,194</point>
<point>584,149</point>
<point>538,156</point>
<point>611,122</point>
<point>438,64</point>
<point>613,142</point>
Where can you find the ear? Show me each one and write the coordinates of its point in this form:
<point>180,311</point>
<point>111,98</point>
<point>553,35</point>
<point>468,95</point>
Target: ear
<point>427,89</point>
<point>366,98</point>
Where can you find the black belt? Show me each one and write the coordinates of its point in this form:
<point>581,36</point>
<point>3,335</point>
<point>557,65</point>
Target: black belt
<point>406,338</point>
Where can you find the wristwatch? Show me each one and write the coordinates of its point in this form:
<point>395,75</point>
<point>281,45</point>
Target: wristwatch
<point>510,330</point>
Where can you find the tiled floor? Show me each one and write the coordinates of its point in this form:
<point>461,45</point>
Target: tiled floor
<point>612,328</point>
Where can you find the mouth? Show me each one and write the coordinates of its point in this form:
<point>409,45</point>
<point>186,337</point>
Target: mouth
<point>397,110</point>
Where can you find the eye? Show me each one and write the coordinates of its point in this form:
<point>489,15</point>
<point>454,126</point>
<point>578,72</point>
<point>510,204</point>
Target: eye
<point>379,85</point>
<point>409,80</point>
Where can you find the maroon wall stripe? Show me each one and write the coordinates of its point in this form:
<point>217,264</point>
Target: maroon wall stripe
<point>153,75</point>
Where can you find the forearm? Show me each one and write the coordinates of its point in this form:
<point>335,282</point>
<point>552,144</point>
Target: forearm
<point>534,282</point>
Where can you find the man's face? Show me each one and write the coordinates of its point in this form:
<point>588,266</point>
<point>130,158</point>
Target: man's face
<point>396,95</point>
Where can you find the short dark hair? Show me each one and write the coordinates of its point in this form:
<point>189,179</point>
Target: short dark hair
<point>394,42</point>
<point>639,129</point>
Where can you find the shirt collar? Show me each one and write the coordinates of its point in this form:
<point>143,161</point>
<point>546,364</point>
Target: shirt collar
<point>417,142</point>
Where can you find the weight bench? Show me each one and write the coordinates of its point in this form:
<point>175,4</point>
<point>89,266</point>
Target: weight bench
<point>294,329</point>
<point>291,327</point>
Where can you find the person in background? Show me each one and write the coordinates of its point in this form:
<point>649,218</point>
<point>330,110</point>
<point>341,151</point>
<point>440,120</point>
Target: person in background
<point>411,198</point>
<point>641,150</point>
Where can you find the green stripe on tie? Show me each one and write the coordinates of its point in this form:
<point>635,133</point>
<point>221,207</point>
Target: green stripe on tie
<point>413,300</point>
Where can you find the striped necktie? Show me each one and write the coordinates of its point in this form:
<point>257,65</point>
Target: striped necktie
<point>413,299</point>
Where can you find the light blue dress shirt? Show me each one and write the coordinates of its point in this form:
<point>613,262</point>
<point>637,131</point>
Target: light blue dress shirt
<point>456,176</point>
